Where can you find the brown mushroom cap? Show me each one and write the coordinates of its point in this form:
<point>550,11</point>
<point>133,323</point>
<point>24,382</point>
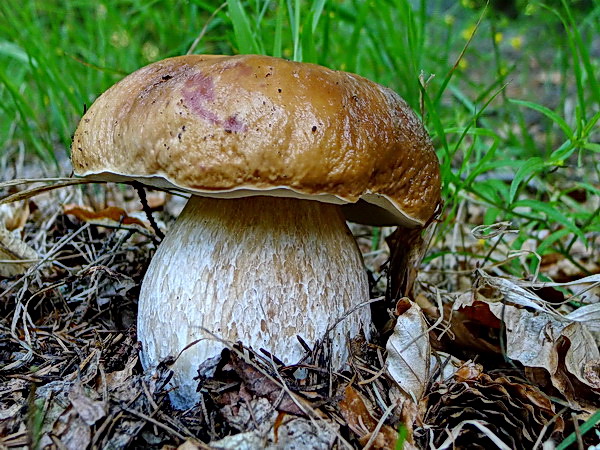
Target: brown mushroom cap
<point>233,126</point>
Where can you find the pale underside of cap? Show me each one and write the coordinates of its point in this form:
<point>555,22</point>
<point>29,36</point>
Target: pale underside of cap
<point>235,126</point>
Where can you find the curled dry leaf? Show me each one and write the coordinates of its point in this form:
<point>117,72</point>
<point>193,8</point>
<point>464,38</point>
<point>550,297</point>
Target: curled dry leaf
<point>407,248</point>
<point>443,365</point>
<point>588,314</point>
<point>543,338</point>
<point>408,350</point>
<point>191,444</point>
<point>244,440</point>
<point>111,216</point>
<point>534,339</point>
<point>15,255</point>
<point>298,432</point>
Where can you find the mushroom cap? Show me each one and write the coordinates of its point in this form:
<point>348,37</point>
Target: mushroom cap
<point>235,126</point>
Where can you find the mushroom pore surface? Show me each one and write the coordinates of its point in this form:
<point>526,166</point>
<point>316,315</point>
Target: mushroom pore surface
<point>259,270</point>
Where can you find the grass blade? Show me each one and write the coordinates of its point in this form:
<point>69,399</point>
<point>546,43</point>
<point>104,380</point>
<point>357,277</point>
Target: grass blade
<point>245,40</point>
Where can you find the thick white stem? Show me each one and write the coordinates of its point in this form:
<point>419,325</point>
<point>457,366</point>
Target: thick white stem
<point>259,270</point>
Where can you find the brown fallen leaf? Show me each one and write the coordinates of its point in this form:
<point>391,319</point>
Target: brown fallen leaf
<point>466,332</point>
<point>543,338</point>
<point>355,412</point>
<point>407,248</point>
<point>361,421</point>
<point>121,382</point>
<point>111,216</point>
<point>255,382</point>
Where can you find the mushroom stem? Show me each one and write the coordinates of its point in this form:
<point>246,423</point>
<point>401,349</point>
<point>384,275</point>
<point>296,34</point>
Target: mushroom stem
<point>259,270</point>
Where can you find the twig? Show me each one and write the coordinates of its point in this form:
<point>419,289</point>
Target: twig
<point>546,426</point>
<point>23,195</point>
<point>375,432</point>
<point>142,194</point>
<point>147,418</point>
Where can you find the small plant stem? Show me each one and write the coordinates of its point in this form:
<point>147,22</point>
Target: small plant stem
<point>142,194</point>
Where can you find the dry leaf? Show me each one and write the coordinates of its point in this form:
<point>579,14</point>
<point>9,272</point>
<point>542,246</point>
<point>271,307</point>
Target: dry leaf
<point>15,255</point>
<point>361,421</point>
<point>295,432</point>
<point>259,384</point>
<point>466,332</point>
<point>543,338</point>
<point>514,291</point>
<point>301,433</point>
<point>588,315</point>
<point>407,248</point>
<point>69,430</point>
<point>14,216</point>
<point>111,216</point>
<point>355,412</point>
<point>533,340</point>
<point>89,410</point>
<point>120,381</point>
<point>248,440</point>
<point>444,365</point>
<point>408,349</point>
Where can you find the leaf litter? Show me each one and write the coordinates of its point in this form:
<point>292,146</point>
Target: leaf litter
<point>463,353</point>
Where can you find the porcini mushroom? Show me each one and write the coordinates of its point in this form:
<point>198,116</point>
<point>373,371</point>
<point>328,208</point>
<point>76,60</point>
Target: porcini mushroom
<point>274,154</point>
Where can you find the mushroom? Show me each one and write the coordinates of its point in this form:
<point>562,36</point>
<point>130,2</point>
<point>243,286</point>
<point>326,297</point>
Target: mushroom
<point>276,155</point>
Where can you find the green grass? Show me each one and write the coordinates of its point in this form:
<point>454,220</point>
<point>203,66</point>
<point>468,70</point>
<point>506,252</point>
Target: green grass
<point>468,71</point>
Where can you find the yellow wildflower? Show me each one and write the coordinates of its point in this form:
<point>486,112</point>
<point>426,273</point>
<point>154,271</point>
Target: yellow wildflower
<point>516,42</point>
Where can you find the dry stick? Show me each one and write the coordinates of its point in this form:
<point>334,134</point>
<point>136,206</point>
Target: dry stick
<point>156,409</point>
<point>378,427</point>
<point>545,427</point>
<point>159,424</point>
<point>338,320</point>
<point>313,415</point>
<point>20,181</point>
<point>61,243</point>
<point>23,195</point>
<point>142,194</point>
<point>109,422</point>
<point>577,432</point>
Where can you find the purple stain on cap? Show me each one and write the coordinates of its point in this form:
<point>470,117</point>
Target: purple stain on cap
<point>232,124</point>
<point>198,93</point>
